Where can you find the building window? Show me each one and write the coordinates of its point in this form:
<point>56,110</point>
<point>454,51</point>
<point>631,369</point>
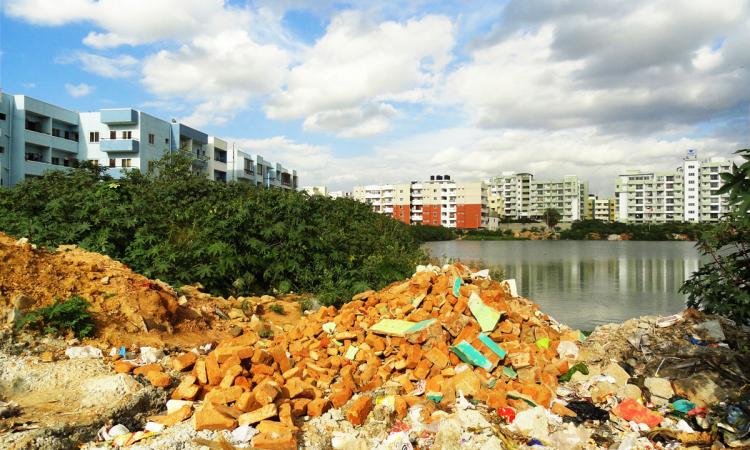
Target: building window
<point>55,160</point>
<point>113,134</point>
<point>94,162</point>
<point>2,116</point>
<point>56,132</point>
<point>126,162</point>
<point>166,141</point>
<point>127,135</point>
<point>93,136</point>
<point>66,162</point>
<point>2,150</point>
<point>151,138</point>
<point>112,162</point>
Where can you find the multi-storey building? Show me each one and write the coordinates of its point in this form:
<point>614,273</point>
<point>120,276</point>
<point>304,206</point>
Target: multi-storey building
<point>36,137</point>
<point>511,192</point>
<point>602,209</point>
<point>439,201</point>
<point>563,195</point>
<point>687,194</point>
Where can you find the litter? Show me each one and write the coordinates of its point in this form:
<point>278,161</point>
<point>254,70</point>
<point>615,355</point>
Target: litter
<point>400,328</point>
<point>86,351</point>
<point>631,410</point>
<point>486,316</point>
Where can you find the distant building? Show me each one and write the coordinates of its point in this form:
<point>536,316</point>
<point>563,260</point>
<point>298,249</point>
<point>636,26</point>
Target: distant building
<point>315,190</point>
<point>437,201</point>
<point>600,209</point>
<point>36,137</point>
<point>520,196</point>
<point>687,194</point>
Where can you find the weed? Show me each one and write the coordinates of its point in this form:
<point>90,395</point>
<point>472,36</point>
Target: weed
<point>69,315</point>
<point>278,309</point>
<point>265,333</point>
<point>307,304</point>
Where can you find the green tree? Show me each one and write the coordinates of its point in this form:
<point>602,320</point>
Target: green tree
<point>722,286</point>
<point>551,217</point>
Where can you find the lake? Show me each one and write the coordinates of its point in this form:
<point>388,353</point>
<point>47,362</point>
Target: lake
<point>588,283</point>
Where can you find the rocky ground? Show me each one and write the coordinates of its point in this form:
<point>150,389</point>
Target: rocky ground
<point>447,359</point>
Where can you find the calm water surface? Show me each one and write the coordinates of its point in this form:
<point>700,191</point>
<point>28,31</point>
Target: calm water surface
<point>587,283</point>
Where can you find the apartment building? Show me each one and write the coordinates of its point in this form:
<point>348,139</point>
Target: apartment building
<point>511,193</point>
<point>36,137</point>
<point>437,201</point>
<point>568,196</point>
<point>602,209</point>
<point>686,194</point>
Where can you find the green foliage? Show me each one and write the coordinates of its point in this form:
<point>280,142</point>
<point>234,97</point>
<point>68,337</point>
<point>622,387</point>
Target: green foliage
<point>307,304</point>
<point>69,315</point>
<point>277,308</point>
<point>583,229</point>
<point>487,235</point>
<point>265,333</point>
<point>233,238</point>
<point>551,217</point>
<point>427,233</point>
<point>722,286</point>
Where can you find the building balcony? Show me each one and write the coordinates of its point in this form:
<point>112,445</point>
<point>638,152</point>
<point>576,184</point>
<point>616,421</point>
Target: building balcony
<point>124,116</point>
<point>119,145</point>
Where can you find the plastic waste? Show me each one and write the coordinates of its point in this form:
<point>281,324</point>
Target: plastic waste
<point>154,427</point>
<point>580,367</point>
<point>586,411</point>
<point>631,410</point>
<point>683,406</point>
<point>151,355</point>
<point>86,351</point>
<point>396,441</point>
<point>508,414</point>
<point>567,349</point>
<point>712,329</point>
<point>532,423</point>
<point>242,434</point>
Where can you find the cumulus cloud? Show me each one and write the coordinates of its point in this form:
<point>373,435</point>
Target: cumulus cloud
<point>358,61</point>
<point>120,66</point>
<point>133,22</point>
<point>218,72</point>
<point>79,90</point>
<point>639,65</point>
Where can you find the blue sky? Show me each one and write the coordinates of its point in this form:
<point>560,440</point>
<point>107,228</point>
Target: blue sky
<point>350,93</point>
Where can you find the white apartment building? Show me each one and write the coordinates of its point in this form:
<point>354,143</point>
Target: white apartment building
<point>36,137</point>
<point>566,196</point>
<point>602,209</point>
<point>519,196</point>
<point>511,192</point>
<point>687,194</point>
<point>438,201</point>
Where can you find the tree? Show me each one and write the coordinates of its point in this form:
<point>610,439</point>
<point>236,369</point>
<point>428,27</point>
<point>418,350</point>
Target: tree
<point>551,217</point>
<point>722,286</point>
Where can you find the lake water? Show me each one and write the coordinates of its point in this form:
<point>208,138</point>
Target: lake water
<point>587,283</point>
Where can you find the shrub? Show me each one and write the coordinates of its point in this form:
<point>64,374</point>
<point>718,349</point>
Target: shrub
<point>278,309</point>
<point>69,315</point>
<point>233,238</point>
<point>722,286</point>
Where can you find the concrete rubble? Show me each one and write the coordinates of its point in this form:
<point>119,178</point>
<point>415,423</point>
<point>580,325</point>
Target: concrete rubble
<point>446,359</point>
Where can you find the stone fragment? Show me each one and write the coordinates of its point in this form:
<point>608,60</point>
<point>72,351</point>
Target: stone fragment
<point>264,412</point>
<point>173,418</point>
<point>184,361</point>
<point>159,379</point>
<point>275,441</point>
<point>123,367</point>
<point>318,406</point>
<point>209,418</point>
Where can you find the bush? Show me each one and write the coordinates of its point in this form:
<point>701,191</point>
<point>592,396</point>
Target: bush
<point>233,238</point>
<point>722,286</point>
<point>276,308</point>
<point>69,315</point>
<point>427,233</point>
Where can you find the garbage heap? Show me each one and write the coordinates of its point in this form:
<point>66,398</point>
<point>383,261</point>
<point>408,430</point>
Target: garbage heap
<point>446,334</point>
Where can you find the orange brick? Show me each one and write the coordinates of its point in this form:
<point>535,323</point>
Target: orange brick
<point>279,355</point>
<point>209,418</point>
<point>159,379</point>
<point>123,367</point>
<point>401,407</point>
<point>266,392</point>
<point>275,441</point>
<point>318,406</point>
<point>176,417</point>
<point>437,357</point>
<point>262,413</point>
<point>357,413</point>
<point>143,370</point>
<point>339,397</point>
<point>184,361</point>
<point>213,371</point>
<point>200,371</point>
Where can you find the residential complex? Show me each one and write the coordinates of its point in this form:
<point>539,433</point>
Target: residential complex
<point>520,196</point>
<point>438,201</point>
<point>36,136</point>
<point>323,190</point>
<point>602,209</point>
<point>687,194</point>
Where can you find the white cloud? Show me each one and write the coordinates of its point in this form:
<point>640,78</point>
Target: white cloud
<point>79,90</point>
<point>219,73</point>
<point>133,22</point>
<point>120,66</point>
<point>357,62</point>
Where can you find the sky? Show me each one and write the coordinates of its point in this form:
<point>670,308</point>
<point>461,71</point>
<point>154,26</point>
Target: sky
<point>351,93</point>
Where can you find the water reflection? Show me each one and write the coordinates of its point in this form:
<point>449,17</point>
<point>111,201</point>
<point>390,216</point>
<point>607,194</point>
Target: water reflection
<point>588,283</point>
